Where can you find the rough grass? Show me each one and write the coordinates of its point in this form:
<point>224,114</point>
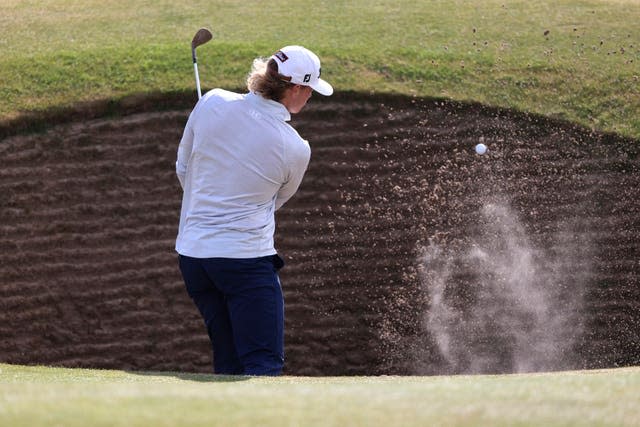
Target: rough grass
<point>586,68</point>
<point>40,396</point>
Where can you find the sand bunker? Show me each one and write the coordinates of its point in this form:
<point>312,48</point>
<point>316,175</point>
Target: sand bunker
<point>407,252</point>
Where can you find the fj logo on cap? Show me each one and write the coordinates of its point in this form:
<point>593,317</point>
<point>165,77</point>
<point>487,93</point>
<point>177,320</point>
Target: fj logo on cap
<point>307,78</point>
<point>281,56</point>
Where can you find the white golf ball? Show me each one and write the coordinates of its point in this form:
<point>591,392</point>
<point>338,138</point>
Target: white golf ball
<point>481,148</point>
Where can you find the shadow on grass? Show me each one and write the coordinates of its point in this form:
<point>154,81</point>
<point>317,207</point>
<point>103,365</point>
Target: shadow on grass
<point>41,120</point>
<point>186,376</point>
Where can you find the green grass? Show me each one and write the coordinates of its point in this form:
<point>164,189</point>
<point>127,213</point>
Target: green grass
<point>40,396</point>
<point>587,69</point>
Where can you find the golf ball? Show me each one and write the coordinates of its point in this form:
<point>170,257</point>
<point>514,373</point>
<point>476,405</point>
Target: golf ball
<point>481,148</point>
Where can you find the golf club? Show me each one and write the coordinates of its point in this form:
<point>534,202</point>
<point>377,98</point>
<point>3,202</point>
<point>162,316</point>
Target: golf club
<point>202,36</point>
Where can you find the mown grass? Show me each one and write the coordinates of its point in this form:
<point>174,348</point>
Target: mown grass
<point>40,396</point>
<point>585,69</point>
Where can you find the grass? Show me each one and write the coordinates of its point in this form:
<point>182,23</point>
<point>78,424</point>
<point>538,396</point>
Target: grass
<point>585,69</point>
<point>41,396</point>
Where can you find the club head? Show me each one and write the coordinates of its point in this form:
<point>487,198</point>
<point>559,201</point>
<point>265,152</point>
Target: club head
<point>202,36</point>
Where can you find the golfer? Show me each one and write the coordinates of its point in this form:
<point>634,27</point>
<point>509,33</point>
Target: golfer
<point>238,162</point>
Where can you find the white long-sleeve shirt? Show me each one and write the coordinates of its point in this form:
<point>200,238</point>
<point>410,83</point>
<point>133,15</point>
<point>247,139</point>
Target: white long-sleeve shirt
<point>238,162</point>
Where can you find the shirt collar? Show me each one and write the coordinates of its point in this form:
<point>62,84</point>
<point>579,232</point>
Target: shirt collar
<point>269,107</point>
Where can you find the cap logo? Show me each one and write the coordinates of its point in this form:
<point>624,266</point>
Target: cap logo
<point>281,56</point>
<point>307,78</point>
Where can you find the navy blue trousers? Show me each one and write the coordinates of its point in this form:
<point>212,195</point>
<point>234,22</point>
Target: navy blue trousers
<point>242,306</point>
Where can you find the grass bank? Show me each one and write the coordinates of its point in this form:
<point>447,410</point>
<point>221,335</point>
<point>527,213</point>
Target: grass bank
<point>39,396</point>
<point>572,59</point>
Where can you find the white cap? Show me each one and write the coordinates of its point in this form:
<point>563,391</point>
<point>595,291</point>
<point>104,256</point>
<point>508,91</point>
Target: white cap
<point>303,66</point>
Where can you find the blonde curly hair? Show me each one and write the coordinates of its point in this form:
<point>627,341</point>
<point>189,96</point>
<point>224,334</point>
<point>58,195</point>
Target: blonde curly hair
<point>265,80</point>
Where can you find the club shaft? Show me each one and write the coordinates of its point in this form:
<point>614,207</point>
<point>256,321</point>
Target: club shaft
<point>195,71</point>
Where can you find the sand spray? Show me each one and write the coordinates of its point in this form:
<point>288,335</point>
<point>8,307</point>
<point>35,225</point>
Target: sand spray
<point>501,303</point>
